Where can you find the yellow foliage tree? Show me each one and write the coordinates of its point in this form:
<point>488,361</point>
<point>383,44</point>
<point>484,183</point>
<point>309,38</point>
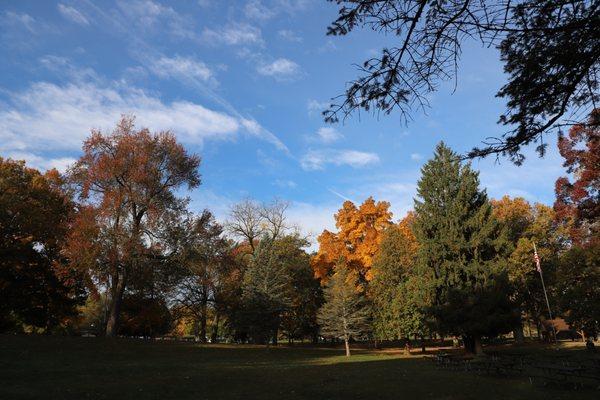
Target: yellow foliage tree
<point>360,231</point>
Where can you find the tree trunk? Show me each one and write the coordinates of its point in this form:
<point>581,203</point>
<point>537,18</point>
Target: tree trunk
<point>315,338</point>
<point>214,337</point>
<point>469,344</point>
<point>203,321</point>
<point>276,331</point>
<point>116,299</point>
<point>347,344</point>
<point>423,345</point>
<point>518,334</point>
<point>477,347</point>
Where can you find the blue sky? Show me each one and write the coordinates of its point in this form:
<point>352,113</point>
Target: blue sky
<point>242,83</point>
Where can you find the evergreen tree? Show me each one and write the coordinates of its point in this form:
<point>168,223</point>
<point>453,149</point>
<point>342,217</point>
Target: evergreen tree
<point>267,289</point>
<point>345,313</point>
<point>397,300</point>
<point>460,254</point>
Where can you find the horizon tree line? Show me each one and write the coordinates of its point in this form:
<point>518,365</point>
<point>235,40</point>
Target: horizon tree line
<point>111,247</point>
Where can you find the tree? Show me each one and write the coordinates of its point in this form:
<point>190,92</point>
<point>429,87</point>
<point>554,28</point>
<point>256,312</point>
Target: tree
<point>37,287</point>
<point>578,202</point>
<point>127,182</point>
<point>579,289</point>
<point>549,50</point>
<point>249,220</point>
<point>144,316</point>
<point>205,260</point>
<point>525,225</point>
<point>460,252</point>
<point>360,231</point>
<point>345,313</point>
<point>267,290</point>
<point>299,320</point>
<point>394,291</point>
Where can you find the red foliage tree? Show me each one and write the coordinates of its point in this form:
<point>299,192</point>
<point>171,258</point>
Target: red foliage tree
<point>578,200</point>
<point>127,181</point>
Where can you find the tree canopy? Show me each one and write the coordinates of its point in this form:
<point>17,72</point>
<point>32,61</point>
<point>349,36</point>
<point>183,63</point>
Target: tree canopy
<point>550,51</point>
<point>360,230</point>
<point>37,285</point>
<point>127,181</point>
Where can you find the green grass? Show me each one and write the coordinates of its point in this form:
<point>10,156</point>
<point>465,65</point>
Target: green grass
<point>36,367</point>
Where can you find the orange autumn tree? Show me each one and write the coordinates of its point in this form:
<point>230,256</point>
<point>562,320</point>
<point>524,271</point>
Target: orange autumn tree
<point>360,231</point>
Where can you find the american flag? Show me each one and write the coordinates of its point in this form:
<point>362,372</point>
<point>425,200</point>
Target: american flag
<point>537,260</point>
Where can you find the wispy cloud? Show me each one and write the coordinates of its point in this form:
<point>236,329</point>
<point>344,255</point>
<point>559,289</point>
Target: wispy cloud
<point>59,117</point>
<point>292,6</point>
<point>341,196</point>
<point>285,183</point>
<point>281,69</point>
<point>146,53</point>
<point>20,20</point>
<point>21,31</point>
<point>72,14</point>
<point>42,163</point>
<point>256,10</point>
<point>416,157</point>
<point>318,159</point>
<point>151,17</point>
<point>328,134</point>
<point>182,68</point>
<point>233,34</point>
<point>289,35</point>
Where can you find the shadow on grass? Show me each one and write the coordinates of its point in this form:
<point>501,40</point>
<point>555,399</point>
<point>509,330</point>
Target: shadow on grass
<point>75,368</point>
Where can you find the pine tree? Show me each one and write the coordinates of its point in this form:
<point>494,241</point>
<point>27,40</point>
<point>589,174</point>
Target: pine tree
<point>266,291</point>
<point>345,313</point>
<point>460,252</point>
<point>397,305</point>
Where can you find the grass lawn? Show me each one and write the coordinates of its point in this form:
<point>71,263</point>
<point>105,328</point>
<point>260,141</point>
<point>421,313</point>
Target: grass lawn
<point>38,367</point>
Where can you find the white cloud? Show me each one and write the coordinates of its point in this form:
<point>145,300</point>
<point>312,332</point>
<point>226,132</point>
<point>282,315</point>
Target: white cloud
<point>59,117</point>
<point>41,163</point>
<point>317,159</point>
<point>26,21</point>
<point>233,34</point>
<point>182,68</point>
<point>256,10</point>
<point>289,35</point>
<point>16,30</point>
<point>73,14</point>
<point>328,134</point>
<point>292,6</point>
<point>416,157</point>
<point>282,68</point>
<point>312,219</point>
<point>149,16</point>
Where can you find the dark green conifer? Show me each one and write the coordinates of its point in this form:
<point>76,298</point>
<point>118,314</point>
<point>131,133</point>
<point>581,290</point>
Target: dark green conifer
<point>461,252</point>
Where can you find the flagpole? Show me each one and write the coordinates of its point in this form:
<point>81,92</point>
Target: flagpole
<point>539,268</point>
